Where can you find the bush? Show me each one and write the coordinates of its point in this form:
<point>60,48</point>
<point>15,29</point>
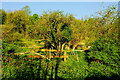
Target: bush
<point>73,69</point>
<point>104,58</point>
<point>6,48</point>
<point>22,69</point>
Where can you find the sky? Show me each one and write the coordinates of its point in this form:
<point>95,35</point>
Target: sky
<point>60,0</point>
<point>78,9</point>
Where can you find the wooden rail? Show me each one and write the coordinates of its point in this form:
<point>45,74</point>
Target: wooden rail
<point>52,50</point>
<point>49,56</point>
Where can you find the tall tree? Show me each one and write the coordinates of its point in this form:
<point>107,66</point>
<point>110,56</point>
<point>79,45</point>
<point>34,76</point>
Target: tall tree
<point>54,27</point>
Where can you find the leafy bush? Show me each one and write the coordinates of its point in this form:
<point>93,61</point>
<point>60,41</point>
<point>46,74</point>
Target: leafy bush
<point>105,58</point>
<point>73,69</point>
<point>22,69</point>
<point>6,48</point>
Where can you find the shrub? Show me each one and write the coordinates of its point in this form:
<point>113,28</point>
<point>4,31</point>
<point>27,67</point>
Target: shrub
<point>105,57</point>
<point>73,69</point>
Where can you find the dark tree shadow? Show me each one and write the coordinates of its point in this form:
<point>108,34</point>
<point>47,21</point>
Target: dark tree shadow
<point>56,68</point>
<point>113,77</point>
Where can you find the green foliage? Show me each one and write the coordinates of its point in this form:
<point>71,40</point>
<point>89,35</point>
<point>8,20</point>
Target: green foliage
<point>54,28</point>
<point>18,19</point>
<point>29,69</point>
<point>2,16</point>
<point>66,32</point>
<point>27,10</point>
<point>73,69</point>
<point>35,17</point>
<point>106,50</point>
<point>105,56</point>
<point>8,48</point>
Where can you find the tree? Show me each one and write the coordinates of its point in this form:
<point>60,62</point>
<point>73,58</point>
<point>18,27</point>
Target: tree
<point>27,10</point>
<point>16,24</point>
<point>35,17</point>
<point>19,19</point>
<point>2,16</point>
<point>54,27</point>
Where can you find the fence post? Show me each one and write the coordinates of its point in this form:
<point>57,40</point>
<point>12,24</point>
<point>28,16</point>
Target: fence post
<point>65,55</point>
<point>77,56</point>
<point>33,53</point>
<point>50,53</point>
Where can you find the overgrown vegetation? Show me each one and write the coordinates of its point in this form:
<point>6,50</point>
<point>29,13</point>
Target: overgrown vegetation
<point>54,30</point>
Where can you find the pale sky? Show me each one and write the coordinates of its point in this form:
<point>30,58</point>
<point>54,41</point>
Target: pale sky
<point>78,9</point>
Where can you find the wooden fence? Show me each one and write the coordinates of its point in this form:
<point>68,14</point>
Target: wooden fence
<point>49,51</point>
